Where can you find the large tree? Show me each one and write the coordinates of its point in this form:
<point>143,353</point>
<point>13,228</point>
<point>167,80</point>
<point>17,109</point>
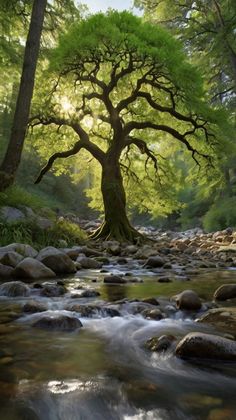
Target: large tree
<point>128,85</point>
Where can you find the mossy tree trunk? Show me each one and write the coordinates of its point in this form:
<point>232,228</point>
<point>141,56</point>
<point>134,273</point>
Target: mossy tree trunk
<point>13,154</point>
<point>116,225</point>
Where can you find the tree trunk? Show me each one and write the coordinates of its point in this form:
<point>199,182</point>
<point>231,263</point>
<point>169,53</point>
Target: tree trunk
<point>12,157</point>
<point>116,225</point>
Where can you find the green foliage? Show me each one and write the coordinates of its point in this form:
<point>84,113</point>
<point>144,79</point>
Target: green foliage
<point>221,215</point>
<point>29,233</point>
<point>17,196</point>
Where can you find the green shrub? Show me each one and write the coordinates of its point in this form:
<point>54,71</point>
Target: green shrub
<point>221,215</point>
<point>28,232</point>
<point>16,196</point>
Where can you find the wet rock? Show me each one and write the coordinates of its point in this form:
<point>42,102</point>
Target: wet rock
<point>5,272</point>
<point>14,289</point>
<point>154,262</point>
<point>223,319</point>
<point>56,260</point>
<point>225,292</point>
<point>152,314</point>
<point>87,262</point>
<point>88,311</point>
<point>122,260</point>
<point>10,258</point>
<point>90,252</point>
<point>33,306</point>
<point>158,344</point>
<point>30,268</point>
<point>89,293</point>
<point>188,300</point>
<point>206,346</point>
<point>111,312</point>
<point>60,323</point>
<point>151,301</point>
<point>53,290</point>
<point>113,279</point>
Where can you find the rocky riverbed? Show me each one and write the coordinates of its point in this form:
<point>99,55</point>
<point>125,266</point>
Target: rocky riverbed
<point>124,331</point>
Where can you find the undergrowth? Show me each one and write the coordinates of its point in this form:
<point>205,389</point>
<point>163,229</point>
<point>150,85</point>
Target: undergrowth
<point>29,233</point>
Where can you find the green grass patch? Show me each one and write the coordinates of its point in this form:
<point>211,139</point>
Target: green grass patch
<point>28,232</point>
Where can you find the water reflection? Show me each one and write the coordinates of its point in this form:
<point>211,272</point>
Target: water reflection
<point>113,292</point>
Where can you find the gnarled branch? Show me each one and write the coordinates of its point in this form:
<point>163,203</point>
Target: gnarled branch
<point>75,149</point>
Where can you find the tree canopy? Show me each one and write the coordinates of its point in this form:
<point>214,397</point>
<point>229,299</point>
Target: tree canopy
<point>126,84</point>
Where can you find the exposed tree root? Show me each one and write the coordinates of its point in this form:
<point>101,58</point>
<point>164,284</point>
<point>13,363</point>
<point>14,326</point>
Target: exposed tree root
<point>121,232</point>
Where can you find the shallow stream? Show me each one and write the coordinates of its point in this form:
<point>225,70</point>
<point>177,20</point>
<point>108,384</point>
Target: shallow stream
<point>102,371</point>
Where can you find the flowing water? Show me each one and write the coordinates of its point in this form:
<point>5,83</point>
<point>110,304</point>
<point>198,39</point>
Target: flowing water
<point>102,371</point>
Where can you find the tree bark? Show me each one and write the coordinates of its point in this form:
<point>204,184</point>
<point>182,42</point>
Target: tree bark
<point>116,225</point>
<point>12,157</point>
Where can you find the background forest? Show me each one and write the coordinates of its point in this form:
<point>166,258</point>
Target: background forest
<point>182,194</point>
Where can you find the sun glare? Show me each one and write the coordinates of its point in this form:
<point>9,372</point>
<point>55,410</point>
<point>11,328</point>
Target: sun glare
<point>66,105</point>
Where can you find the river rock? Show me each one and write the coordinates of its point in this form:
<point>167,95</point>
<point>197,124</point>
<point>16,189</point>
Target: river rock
<point>152,314</point>
<point>113,279</point>
<point>89,293</point>
<point>31,268</point>
<point>33,306</point>
<point>23,249</point>
<point>151,301</point>
<point>87,262</point>
<point>162,343</point>
<point>14,289</point>
<point>59,323</point>
<point>56,260</point>
<point>90,252</point>
<point>225,292</point>
<point>86,311</point>
<point>5,272</point>
<point>53,290</point>
<point>10,258</point>
<point>206,346</point>
<point>224,319</point>
<point>188,300</point>
<point>90,310</point>
<point>154,262</point>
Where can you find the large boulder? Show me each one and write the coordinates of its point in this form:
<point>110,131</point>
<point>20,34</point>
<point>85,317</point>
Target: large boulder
<point>87,262</point>
<point>10,258</point>
<point>59,323</point>
<point>30,268</point>
<point>223,319</point>
<point>188,300</point>
<point>14,289</point>
<point>23,249</point>
<point>5,272</point>
<point>226,291</point>
<point>206,346</point>
<point>154,262</point>
<point>56,260</point>
<point>11,214</point>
